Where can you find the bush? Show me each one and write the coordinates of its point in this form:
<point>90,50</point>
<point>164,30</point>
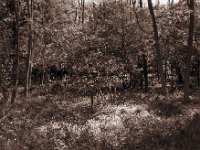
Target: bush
<point>188,137</point>
<point>27,139</point>
<point>150,134</point>
<point>57,89</point>
<point>41,90</point>
<point>166,107</point>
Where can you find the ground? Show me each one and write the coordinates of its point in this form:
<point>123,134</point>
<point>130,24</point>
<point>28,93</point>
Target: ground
<point>119,121</point>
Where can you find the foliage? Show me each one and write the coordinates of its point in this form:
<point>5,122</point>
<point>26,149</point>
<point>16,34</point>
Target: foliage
<point>190,131</point>
<point>167,107</point>
<point>100,59</point>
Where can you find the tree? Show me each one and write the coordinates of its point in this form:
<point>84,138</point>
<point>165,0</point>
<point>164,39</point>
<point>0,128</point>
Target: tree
<point>189,53</point>
<point>157,46</point>
<point>83,10</point>
<point>29,56</point>
<point>141,3</point>
<point>16,47</point>
<point>171,3</point>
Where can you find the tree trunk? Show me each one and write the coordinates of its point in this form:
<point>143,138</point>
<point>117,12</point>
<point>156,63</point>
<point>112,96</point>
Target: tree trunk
<point>157,44</point>
<point>42,71</point>
<point>30,40</point>
<point>158,3</point>
<point>171,3</point>
<point>198,69</point>
<point>178,72</point>
<point>141,3</point>
<point>141,80</point>
<point>76,14</point>
<point>94,16</point>
<point>165,73</point>
<point>17,49</point>
<point>157,71</point>
<point>189,53</point>
<point>145,71</point>
<point>3,93</point>
<point>83,11</point>
<point>172,77</point>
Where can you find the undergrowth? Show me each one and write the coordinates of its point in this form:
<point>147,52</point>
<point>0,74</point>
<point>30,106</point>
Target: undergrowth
<point>157,123</point>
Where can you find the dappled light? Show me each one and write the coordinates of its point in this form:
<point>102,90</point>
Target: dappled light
<point>99,75</point>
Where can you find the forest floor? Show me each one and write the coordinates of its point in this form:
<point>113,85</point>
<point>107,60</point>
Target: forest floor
<point>119,121</point>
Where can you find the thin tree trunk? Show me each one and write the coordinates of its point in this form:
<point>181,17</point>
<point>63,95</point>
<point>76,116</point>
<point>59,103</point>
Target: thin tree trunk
<point>141,3</point>
<point>76,14</point>
<point>17,49</point>
<point>30,40</point>
<point>145,71</point>
<point>141,80</point>
<point>83,11</point>
<point>171,3</point>
<point>4,92</point>
<point>157,44</point>
<point>157,72</point>
<point>198,69</point>
<point>178,72</point>
<point>42,71</point>
<point>172,77</point>
<point>166,75</point>
<point>94,16</point>
<point>158,3</point>
<point>189,53</point>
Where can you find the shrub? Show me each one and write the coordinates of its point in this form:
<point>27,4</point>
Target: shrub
<point>188,137</point>
<point>57,89</point>
<point>166,107</point>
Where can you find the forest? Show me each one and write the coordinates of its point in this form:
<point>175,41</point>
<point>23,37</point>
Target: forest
<point>99,75</point>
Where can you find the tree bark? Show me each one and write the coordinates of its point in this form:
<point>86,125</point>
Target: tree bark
<point>4,97</point>
<point>178,72</point>
<point>30,40</point>
<point>171,3</point>
<point>83,11</point>
<point>17,49</point>
<point>157,46</point>
<point>43,70</point>
<point>189,53</point>
<point>76,14</point>
<point>141,3</point>
<point>198,69</point>
<point>145,71</point>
